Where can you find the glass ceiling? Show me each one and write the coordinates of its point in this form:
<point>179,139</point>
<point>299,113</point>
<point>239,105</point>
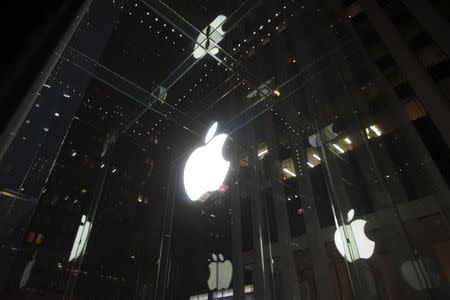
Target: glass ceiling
<point>151,53</point>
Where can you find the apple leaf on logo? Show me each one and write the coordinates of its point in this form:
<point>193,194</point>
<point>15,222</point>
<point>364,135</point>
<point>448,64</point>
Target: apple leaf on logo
<point>350,215</point>
<point>211,132</point>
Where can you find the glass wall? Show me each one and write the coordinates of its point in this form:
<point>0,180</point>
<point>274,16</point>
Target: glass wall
<point>221,150</point>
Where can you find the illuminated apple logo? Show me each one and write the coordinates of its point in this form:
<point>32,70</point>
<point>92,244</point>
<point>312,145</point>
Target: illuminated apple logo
<point>220,273</point>
<point>362,247</point>
<point>205,168</point>
<point>209,38</point>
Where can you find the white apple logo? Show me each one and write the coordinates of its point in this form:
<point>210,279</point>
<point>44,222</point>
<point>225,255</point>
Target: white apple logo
<point>364,247</point>
<point>205,168</point>
<point>220,273</point>
<point>209,38</point>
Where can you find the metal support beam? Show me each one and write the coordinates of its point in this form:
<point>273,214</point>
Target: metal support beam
<point>287,263</point>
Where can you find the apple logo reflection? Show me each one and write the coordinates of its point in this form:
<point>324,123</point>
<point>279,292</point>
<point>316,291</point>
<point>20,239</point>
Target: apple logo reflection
<point>210,36</point>
<point>364,246</point>
<point>220,273</point>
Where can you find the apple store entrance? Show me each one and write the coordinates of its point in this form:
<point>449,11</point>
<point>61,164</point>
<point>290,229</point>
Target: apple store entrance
<point>222,150</point>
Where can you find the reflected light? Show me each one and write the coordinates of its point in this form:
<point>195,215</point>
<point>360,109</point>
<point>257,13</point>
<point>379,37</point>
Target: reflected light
<point>376,130</point>
<point>79,245</point>
<point>338,148</point>
<point>347,140</point>
<point>248,289</point>
<point>287,171</point>
<point>262,153</point>
<point>317,157</point>
<point>210,36</point>
<point>416,277</point>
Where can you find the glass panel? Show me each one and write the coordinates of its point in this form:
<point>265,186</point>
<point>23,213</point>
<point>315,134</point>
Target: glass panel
<point>241,150</point>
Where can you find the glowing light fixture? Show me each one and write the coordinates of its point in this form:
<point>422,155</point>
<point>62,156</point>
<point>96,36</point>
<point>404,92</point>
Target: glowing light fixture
<point>347,140</point>
<point>338,148</point>
<point>317,157</point>
<point>79,245</point>
<point>287,171</point>
<point>263,152</point>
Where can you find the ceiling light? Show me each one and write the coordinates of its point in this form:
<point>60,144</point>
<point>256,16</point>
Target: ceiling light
<point>287,171</point>
<point>338,148</point>
<point>262,153</point>
<point>376,130</point>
